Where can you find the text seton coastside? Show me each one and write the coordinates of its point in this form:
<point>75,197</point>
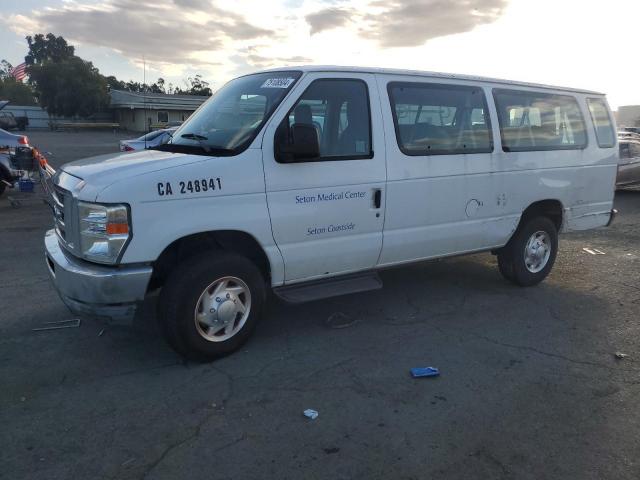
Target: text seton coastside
<point>331,228</point>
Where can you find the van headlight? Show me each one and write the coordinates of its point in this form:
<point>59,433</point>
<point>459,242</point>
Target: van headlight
<point>104,231</point>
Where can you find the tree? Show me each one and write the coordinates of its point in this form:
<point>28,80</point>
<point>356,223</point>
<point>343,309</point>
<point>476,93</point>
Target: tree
<point>195,86</point>
<point>64,84</point>
<point>114,84</point>
<point>16,92</point>
<point>70,87</point>
<point>10,89</point>
<point>5,69</point>
<point>47,49</point>
<point>158,87</point>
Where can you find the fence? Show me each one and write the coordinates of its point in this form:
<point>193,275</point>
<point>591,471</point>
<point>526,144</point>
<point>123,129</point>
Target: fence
<point>40,119</point>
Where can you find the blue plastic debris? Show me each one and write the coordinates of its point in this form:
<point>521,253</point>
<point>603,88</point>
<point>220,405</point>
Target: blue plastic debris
<point>424,372</point>
<point>26,185</point>
<point>312,414</point>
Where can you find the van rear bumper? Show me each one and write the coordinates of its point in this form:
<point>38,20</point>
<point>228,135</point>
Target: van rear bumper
<point>96,290</point>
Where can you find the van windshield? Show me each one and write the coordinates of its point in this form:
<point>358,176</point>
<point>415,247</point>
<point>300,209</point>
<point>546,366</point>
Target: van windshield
<point>229,121</point>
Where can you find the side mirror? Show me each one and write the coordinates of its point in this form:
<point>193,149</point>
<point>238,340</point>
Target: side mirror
<point>304,144</point>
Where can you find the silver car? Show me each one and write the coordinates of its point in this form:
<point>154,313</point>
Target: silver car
<point>9,140</point>
<point>151,139</point>
<point>629,162</point>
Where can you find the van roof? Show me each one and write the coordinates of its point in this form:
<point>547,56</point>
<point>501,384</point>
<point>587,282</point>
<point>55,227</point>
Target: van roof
<point>420,73</point>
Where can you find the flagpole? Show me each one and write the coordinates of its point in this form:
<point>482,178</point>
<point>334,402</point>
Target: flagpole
<point>144,98</point>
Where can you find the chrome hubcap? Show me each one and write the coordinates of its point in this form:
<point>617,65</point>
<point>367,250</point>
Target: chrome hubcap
<point>222,309</point>
<point>537,251</point>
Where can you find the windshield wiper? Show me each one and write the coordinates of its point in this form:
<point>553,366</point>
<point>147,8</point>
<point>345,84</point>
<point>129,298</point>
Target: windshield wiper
<point>194,136</point>
<point>200,138</point>
<point>186,148</point>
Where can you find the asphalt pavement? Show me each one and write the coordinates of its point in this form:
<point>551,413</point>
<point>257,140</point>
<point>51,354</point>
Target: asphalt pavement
<point>529,386</point>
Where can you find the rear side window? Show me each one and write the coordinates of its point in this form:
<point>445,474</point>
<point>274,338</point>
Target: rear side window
<point>539,121</point>
<point>601,122</point>
<point>434,119</point>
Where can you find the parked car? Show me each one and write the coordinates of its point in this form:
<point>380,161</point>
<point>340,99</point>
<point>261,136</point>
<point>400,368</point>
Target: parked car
<point>629,162</point>
<point>253,195</point>
<point>148,140</point>
<point>11,140</point>
<point>10,122</point>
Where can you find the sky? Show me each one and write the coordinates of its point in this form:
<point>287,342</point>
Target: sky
<point>590,44</point>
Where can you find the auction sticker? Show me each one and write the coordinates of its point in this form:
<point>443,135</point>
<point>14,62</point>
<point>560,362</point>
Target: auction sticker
<point>277,83</point>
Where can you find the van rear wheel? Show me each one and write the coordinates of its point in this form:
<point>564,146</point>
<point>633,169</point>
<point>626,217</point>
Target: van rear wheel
<point>210,305</point>
<point>530,254</point>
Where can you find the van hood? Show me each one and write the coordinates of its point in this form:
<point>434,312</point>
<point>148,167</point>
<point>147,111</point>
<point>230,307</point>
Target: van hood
<point>106,169</point>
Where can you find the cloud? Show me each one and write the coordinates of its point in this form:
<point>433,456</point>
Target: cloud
<point>178,32</point>
<point>409,23</point>
<point>251,58</point>
<point>194,4</point>
<point>261,61</point>
<point>329,18</point>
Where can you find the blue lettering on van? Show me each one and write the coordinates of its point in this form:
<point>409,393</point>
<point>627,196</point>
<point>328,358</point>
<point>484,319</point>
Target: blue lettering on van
<point>333,228</point>
<point>305,199</point>
<point>330,196</point>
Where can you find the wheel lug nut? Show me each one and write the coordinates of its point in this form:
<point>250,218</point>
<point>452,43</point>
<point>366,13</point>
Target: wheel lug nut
<point>228,296</point>
<point>213,310</point>
<point>218,299</point>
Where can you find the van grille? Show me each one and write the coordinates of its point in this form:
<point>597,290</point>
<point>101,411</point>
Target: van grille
<point>60,199</point>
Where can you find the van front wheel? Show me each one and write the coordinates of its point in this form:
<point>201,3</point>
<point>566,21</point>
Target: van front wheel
<point>209,306</point>
<point>530,254</point>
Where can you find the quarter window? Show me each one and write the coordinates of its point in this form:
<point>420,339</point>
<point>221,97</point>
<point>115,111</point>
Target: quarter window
<point>601,122</point>
<point>433,119</point>
<point>338,109</point>
<point>539,121</point>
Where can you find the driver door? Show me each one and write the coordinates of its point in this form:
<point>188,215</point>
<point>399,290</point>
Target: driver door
<point>327,213</point>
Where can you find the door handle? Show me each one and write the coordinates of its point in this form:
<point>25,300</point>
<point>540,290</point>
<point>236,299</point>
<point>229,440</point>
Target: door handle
<point>377,197</point>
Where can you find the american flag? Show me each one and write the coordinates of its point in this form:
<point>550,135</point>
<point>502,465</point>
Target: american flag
<point>19,72</point>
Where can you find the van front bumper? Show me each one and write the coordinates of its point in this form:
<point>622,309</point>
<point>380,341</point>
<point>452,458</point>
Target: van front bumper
<point>96,290</point>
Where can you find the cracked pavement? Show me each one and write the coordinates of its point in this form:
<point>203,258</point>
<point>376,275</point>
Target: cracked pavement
<point>529,385</point>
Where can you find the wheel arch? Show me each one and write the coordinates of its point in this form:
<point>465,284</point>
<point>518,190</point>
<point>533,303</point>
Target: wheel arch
<point>236,241</point>
<point>550,208</point>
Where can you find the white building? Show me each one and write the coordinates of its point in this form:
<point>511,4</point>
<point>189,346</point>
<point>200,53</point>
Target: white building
<point>139,112</point>
<point>628,116</point>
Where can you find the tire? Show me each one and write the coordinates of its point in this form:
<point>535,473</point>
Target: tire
<point>505,265</point>
<point>530,254</point>
<point>224,281</point>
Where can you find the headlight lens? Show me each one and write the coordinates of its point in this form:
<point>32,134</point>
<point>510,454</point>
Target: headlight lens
<point>104,231</point>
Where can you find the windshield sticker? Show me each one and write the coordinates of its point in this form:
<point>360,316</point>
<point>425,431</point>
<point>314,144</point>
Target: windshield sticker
<point>277,83</point>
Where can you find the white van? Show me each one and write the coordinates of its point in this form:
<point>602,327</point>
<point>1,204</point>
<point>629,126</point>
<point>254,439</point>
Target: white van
<point>306,181</point>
